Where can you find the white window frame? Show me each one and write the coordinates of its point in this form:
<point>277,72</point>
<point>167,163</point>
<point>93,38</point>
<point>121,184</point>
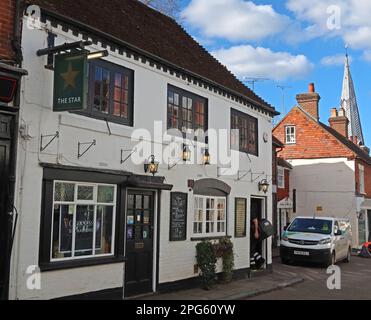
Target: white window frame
<point>281,177</point>
<point>361,177</point>
<point>215,221</point>
<point>76,202</point>
<point>290,137</point>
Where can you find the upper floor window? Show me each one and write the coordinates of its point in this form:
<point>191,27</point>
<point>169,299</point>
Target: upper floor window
<point>281,177</point>
<point>186,110</point>
<point>290,134</point>
<point>361,179</point>
<point>247,138</point>
<point>110,92</point>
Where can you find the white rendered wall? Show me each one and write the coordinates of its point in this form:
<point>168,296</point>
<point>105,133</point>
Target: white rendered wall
<point>150,100</point>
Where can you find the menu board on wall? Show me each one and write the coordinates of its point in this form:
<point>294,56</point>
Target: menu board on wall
<point>178,216</point>
<point>240,217</point>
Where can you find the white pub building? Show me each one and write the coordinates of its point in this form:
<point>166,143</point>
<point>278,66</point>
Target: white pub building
<point>93,218</point>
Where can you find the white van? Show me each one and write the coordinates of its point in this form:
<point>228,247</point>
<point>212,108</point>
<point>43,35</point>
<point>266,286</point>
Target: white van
<point>322,240</point>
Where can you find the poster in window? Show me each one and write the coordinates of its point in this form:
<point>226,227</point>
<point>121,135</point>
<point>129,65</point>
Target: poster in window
<point>66,223</point>
<point>240,217</point>
<point>84,228</point>
<point>178,216</point>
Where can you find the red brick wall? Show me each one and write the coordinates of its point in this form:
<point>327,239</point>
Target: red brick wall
<point>284,192</point>
<point>367,177</point>
<point>312,141</point>
<point>7,8</point>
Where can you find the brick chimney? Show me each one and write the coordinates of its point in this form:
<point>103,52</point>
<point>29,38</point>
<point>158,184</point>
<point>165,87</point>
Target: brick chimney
<point>310,101</point>
<point>7,9</point>
<point>339,122</point>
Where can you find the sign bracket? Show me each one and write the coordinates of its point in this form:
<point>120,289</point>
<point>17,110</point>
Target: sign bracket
<point>63,48</point>
<point>131,153</point>
<point>88,144</point>
<point>51,136</point>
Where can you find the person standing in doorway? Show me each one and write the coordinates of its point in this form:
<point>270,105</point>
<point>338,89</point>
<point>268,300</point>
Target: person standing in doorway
<point>256,259</point>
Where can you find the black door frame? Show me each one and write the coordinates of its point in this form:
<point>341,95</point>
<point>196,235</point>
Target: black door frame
<point>264,212</point>
<point>155,238</point>
<point>6,218</point>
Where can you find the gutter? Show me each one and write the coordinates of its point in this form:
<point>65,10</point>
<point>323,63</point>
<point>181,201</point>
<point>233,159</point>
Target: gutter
<point>155,58</point>
<point>16,41</point>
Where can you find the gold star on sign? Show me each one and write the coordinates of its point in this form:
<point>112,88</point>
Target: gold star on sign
<point>69,77</point>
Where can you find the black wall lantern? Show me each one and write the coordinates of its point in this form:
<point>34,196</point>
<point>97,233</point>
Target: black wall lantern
<point>152,166</point>
<point>206,157</point>
<point>186,154</point>
<point>264,186</point>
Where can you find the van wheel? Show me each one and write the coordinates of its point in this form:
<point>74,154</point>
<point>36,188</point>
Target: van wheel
<point>347,259</point>
<point>331,260</point>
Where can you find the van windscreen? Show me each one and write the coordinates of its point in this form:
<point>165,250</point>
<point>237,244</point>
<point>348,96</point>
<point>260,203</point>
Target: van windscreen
<point>311,226</point>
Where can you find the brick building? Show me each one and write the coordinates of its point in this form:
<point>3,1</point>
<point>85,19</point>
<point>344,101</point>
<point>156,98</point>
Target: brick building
<point>10,75</point>
<point>331,172</point>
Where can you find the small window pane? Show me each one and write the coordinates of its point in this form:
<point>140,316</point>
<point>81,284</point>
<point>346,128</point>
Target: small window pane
<point>62,231</point>
<point>105,194</point>
<point>104,223</point>
<point>84,230</point>
<point>64,191</point>
<point>118,80</point>
<point>85,193</point>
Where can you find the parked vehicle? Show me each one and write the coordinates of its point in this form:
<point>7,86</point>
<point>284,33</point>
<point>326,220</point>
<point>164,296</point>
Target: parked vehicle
<point>322,240</point>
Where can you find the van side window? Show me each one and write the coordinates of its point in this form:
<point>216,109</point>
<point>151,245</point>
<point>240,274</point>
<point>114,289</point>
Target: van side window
<point>336,227</point>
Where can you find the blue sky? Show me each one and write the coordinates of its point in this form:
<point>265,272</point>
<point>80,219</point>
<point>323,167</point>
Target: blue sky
<point>293,42</point>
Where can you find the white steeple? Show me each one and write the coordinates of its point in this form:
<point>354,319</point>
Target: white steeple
<point>349,104</point>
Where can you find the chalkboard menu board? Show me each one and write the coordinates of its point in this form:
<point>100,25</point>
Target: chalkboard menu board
<point>178,216</point>
<point>240,217</point>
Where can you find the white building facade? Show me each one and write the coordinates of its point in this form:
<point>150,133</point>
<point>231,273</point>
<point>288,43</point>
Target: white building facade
<point>90,218</point>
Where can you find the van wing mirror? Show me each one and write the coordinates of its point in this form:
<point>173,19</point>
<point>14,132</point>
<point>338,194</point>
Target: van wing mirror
<point>338,233</point>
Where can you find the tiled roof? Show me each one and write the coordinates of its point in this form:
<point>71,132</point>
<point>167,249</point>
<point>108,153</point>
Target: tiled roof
<point>283,163</point>
<point>348,143</point>
<point>276,142</point>
<point>155,33</point>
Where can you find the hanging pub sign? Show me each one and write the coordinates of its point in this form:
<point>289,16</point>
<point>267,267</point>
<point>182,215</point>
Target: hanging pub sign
<point>70,82</point>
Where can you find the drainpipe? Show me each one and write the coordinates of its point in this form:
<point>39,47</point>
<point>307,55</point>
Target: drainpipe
<point>16,42</point>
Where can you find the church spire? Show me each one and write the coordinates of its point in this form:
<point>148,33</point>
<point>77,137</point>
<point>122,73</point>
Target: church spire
<point>349,104</point>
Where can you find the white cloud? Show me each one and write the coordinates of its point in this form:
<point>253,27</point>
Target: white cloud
<point>247,61</point>
<point>367,55</point>
<point>335,60</point>
<point>349,19</point>
<point>234,20</point>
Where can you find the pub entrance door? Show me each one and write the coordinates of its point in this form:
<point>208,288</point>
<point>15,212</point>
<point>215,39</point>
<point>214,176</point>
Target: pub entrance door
<point>6,129</point>
<point>139,242</point>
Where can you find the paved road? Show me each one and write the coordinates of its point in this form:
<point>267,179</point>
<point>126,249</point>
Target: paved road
<point>355,281</point>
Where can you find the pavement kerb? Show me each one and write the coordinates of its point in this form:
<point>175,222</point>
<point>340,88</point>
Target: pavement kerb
<point>253,293</point>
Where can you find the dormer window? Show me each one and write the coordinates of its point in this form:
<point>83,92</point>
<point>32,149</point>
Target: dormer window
<point>290,135</point>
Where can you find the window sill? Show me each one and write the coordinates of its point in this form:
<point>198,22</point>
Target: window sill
<point>210,238</point>
<point>105,117</point>
<point>74,264</point>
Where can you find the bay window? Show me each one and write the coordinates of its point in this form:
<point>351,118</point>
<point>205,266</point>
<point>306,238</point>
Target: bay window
<point>209,216</point>
<point>83,220</point>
